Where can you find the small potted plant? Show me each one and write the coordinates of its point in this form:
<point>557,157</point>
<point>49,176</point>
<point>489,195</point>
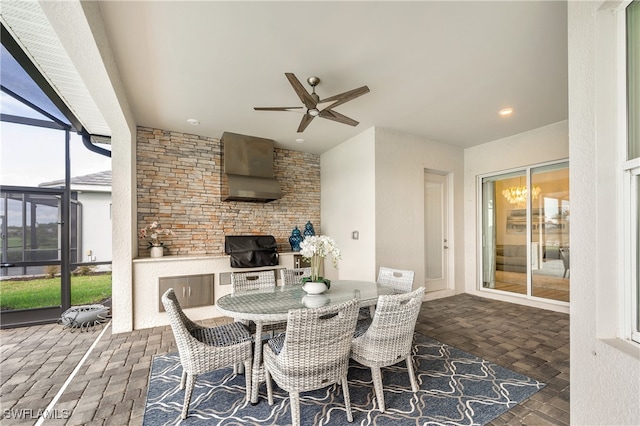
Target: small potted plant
<point>153,232</point>
<point>315,249</point>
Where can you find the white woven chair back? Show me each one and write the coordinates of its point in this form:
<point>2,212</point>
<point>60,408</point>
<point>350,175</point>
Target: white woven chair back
<point>391,332</point>
<point>245,281</point>
<point>294,276</point>
<point>316,346</point>
<point>400,280</point>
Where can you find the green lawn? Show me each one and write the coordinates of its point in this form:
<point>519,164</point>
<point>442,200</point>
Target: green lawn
<point>37,293</point>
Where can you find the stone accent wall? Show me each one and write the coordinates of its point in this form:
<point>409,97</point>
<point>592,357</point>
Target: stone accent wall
<point>178,185</point>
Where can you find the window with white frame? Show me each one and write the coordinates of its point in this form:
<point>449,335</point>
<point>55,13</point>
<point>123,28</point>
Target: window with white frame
<point>631,172</point>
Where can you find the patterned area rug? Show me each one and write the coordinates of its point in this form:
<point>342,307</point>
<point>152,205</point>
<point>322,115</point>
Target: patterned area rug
<point>456,388</point>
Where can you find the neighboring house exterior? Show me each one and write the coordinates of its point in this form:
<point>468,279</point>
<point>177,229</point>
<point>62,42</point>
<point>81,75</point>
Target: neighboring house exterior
<point>92,193</point>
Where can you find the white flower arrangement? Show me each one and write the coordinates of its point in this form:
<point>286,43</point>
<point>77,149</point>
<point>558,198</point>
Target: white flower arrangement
<point>316,248</point>
<point>153,231</point>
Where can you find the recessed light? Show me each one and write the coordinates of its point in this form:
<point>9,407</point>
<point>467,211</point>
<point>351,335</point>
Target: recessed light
<point>300,140</point>
<point>193,121</point>
<point>505,111</point>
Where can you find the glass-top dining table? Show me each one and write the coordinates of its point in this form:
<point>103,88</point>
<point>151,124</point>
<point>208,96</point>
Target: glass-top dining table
<point>273,304</point>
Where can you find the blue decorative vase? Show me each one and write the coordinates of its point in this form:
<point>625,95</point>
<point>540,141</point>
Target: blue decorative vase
<point>295,239</point>
<point>308,230</point>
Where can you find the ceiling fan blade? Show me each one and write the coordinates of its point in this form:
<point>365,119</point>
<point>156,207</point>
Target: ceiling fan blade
<point>346,96</point>
<point>276,108</point>
<point>336,116</point>
<point>322,105</point>
<point>304,96</point>
<point>306,119</point>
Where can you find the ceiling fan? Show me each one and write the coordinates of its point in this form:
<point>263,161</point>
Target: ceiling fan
<point>316,107</point>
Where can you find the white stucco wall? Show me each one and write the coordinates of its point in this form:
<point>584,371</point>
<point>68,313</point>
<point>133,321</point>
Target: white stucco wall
<point>401,161</point>
<point>605,370</point>
<point>347,200</point>
<point>87,45</point>
<point>374,184</point>
<point>549,143</point>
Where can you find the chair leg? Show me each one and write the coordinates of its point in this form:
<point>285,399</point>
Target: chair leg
<point>376,375</point>
<point>267,379</point>
<point>183,380</point>
<point>294,403</point>
<point>247,377</point>
<point>191,380</point>
<point>412,374</point>
<point>347,398</point>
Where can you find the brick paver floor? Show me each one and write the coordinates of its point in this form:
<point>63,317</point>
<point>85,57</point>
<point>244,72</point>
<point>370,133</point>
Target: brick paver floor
<point>110,387</point>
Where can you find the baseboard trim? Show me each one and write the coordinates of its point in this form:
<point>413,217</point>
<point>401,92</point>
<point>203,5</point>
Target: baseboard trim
<point>438,294</point>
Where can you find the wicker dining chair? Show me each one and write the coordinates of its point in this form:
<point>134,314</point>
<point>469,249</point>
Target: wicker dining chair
<point>256,280</point>
<point>294,276</point>
<point>388,339</point>
<point>312,354</point>
<point>400,280</point>
<point>205,349</point>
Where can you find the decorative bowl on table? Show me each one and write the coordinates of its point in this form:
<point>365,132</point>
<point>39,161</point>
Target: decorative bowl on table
<point>314,287</point>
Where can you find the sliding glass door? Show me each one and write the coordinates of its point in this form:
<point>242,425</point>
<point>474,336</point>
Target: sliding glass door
<point>550,233</point>
<point>504,233</point>
<point>525,232</point>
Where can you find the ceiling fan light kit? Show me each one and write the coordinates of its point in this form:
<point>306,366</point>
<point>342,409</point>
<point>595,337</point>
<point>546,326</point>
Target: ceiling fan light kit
<point>316,107</point>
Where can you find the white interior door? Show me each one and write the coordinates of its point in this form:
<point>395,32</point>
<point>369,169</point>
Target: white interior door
<point>436,224</point>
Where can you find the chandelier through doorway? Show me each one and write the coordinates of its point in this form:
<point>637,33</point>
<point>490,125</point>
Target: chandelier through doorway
<point>518,195</point>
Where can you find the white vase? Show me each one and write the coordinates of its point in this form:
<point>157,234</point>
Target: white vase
<point>313,287</point>
<point>315,300</point>
<point>156,251</point>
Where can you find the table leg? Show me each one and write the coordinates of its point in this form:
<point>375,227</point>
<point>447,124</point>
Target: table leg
<point>257,362</point>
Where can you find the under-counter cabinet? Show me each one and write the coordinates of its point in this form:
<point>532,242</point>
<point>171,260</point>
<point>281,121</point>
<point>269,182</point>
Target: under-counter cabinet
<point>191,290</point>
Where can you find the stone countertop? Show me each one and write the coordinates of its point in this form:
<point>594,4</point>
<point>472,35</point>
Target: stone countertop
<point>171,258</point>
<point>183,257</point>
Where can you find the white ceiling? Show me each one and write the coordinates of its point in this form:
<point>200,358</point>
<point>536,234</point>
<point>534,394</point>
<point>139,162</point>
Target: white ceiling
<point>438,70</point>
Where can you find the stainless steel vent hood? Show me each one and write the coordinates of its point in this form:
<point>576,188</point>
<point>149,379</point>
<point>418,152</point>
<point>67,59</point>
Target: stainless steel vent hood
<point>248,169</point>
